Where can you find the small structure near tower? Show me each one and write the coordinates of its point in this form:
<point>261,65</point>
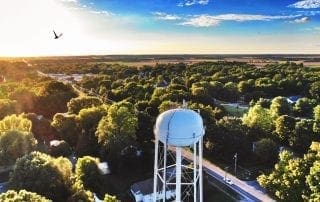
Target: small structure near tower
<point>174,130</point>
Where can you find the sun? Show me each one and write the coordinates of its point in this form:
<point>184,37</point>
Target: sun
<point>27,28</point>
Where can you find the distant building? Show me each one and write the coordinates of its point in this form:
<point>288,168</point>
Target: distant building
<point>143,191</point>
<point>293,99</point>
<point>104,168</point>
<point>55,143</point>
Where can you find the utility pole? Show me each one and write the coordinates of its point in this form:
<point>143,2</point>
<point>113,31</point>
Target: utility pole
<point>235,157</point>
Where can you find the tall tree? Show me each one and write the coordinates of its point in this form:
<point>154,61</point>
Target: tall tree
<point>78,103</point>
<point>266,150</point>
<point>87,172</point>
<point>118,129</point>
<point>279,106</point>
<point>15,144</point>
<point>315,90</point>
<point>14,122</point>
<point>258,118</point>
<point>304,107</point>
<point>67,127</point>
<point>53,97</point>
<point>313,180</point>
<point>43,174</point>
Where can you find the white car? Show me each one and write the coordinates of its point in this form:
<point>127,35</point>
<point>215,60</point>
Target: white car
<point>228,181</point>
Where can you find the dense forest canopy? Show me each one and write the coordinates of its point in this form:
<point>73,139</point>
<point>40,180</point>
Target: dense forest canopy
<point>109,114</point>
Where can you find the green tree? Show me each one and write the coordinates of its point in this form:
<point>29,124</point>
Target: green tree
<point>22,196</point>
<point>303,135</point>
<point>67,127</point>
<point>43,174</point>
<point>228,137</point>
<point>304,107</point>
<point>313,180</point>
<point>53,97</point>
<point>166,105</point>
<point>245,86</point>
<point>87,172</point>
<point>15,144</point>
<point>14,122</point>
<point>41,127</point>
<point>230,92</point>
<point>25,98</point>
<point>109,198</point>
<point>89,117</point>
<point>265,103</point>
<point>79,194</point>
<point>266,150</point>
<point>78,103</point>
<point>88,121</point>
<point>316,125</point>
<point>258,118</point>
<point>315,90</point>
<point>287,181</point>
<point>118,126</point>
<point>285,126</point>
<point>279,106</point>
<point>294,178</point>
<point>61,148</point>
<point>7,107</point>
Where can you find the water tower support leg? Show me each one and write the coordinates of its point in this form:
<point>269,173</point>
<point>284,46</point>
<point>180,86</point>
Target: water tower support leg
<point>155,172</point>
<point>200,170</point>
<point>164,174</point>
<point>195,172</point>
<point>178,174</point>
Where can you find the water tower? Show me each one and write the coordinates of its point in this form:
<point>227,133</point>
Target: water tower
<point>174,130</point>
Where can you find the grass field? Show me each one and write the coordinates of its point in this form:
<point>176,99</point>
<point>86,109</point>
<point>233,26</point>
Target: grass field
<point>235,110</point>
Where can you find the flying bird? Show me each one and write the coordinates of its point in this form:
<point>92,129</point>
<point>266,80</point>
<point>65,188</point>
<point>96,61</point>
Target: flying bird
<point>57,36</point>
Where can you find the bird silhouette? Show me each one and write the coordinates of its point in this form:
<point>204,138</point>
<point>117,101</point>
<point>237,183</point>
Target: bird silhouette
<point>56,36</point>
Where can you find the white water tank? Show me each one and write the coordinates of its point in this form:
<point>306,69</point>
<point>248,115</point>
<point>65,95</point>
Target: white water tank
<point>179,127</point>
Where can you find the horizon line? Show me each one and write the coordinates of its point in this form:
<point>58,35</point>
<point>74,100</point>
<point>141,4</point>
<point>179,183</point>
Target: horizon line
<point>166,54</point>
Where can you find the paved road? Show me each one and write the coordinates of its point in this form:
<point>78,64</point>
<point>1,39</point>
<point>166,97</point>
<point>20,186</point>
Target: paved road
<point>245,189</point>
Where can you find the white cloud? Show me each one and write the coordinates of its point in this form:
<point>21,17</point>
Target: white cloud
<point>108,13</point>
<point>306,4</point>
<point>214,20</point>
<point>300,20</point>
<point>192,2</point>
<point>202,21</point>
<point>165,16</point>
<point>309,12</point>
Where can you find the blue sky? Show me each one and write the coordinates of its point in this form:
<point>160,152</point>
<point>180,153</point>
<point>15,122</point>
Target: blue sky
<point>161,26</point>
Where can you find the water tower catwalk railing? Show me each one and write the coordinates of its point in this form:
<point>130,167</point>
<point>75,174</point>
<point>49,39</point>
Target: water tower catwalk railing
<point>175,178</point>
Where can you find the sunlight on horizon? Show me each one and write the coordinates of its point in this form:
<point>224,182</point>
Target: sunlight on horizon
<point>27,30</point>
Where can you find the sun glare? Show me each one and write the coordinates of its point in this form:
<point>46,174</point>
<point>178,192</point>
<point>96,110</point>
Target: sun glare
<point>27,28</point>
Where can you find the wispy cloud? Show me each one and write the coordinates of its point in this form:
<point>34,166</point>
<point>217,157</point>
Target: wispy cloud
<point>309,12</point>
<point>302,20</point>
<point>192,2</point>
<point>306,4</point>
<point>165,16</point>
<point>214,20</point>
<point>102,12</point>
<point>202,21</point>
